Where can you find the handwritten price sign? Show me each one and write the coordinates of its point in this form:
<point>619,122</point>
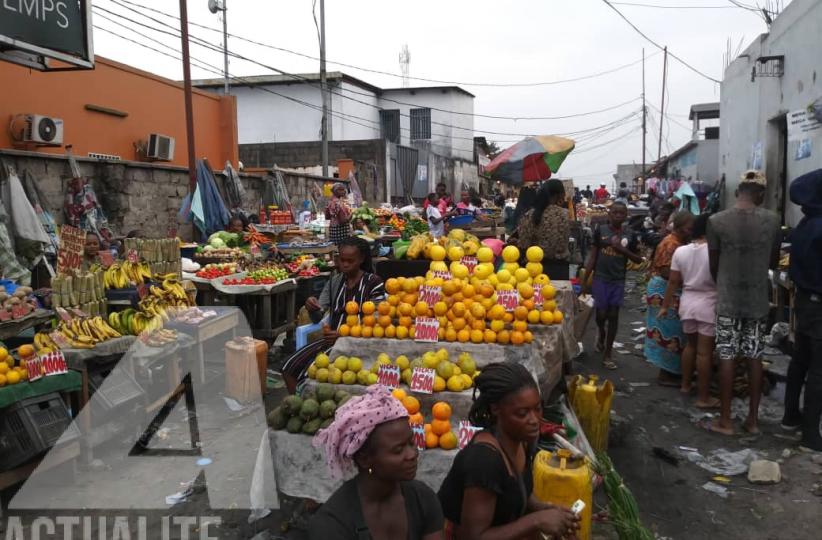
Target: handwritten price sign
<point>446,276</point>
<point>470,263</point>
<point>389,376</point>
<point>70,250</point>
<point>425,329</point>
<point>538,299</point>
<point>422,380</point>
<point>430,295</point>
<point>132,257</point>
<point>508,299</point>
<point>53,363</point>
<point>419,436</point>
<point>465,433</point>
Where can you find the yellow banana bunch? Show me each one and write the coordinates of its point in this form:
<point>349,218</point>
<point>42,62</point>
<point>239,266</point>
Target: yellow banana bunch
<point>122,274</point>
<point>86,332</point>
<point>43,343</point>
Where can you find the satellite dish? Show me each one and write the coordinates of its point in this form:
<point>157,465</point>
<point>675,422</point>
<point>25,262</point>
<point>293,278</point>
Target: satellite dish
<point>215,5</point>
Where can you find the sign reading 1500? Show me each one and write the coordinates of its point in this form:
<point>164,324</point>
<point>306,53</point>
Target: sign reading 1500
<point>49,25</point>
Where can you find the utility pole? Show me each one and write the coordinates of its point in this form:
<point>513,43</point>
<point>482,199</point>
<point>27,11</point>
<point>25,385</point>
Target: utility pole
<point>192,158</point>
<point>324,87</point>
<point>662,108</point>
<point>225,48</point>
<point>644,118</point>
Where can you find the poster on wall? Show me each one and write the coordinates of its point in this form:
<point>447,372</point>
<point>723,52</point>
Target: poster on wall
<point>802,124</point>
<point>756,156</point>
<point>803,149</point>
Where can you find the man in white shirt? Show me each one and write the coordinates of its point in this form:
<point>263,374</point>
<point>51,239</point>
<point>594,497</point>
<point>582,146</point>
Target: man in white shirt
<point>436,220</point>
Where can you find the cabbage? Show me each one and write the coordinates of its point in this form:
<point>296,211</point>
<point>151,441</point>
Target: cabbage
<point>217,243</point>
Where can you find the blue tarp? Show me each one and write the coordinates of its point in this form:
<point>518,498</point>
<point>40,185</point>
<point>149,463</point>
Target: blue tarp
<point>689,201</point>
<point>206,208</point>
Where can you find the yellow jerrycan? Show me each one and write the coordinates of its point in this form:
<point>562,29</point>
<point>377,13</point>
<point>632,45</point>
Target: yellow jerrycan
<point>592,405</point>
<point>561,479</point>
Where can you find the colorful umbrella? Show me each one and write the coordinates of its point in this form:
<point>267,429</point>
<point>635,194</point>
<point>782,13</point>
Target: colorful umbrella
<point>530,160</point>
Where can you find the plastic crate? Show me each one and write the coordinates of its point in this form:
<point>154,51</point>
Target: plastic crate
<point>119,388</point>
<point>32,426</point>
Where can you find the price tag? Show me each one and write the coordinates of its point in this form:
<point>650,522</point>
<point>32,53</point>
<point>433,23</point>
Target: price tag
<point>53,363</point>
<point>426,329</point>
<point>131,256</point>
<point>59,339</point>
<point>142,290</point>
<point>470,263</point>
<point>419,436</point>
<point>430,295</point>
<point>538,299</point>
<point>389,376</point>
<point>106,258</point>
<point>508,299</point>
<point>34,368</point>
<point>422,380</point>
<point>465,433</point>
<point>71,247</point>
<point>446,276</point>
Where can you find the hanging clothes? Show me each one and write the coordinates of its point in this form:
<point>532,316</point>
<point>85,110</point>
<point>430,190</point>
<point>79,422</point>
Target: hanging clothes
<point>690,202</point>
<point>205,207</point>
<point>234,190</point>
<point>46,219</point>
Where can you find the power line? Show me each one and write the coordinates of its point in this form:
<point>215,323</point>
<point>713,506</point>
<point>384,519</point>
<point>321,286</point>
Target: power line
<point>658,46</point>
<point>659,6</point>
<point>388,73</point>
<point>199,41</point>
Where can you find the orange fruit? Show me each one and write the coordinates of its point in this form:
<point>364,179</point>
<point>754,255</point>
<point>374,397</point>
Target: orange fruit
<point>392,286</point>
<point>391,331</point>
<point>520,313</point>
<point>25,351</point>
<point>533,316</point>
<point>496,326</point>
<point>394,300</point>
<point>503,337</point>
<point>450,334</point>
<point>352,308</point>
<point>352,320</point>
<point>528,337</point>
<point>411,404</point>
<point>416,418</point>
<point>384,308</point>
<point>525,290</point>
<point>546,317</point>
<point>458,297</point>
<point>468,291</point>
<point>519,326</point>
<point>477,336</point>
<point>356,331</point>
<point>463,336</point>
<point>427,428</point>
<point>412,332</point>
<point>441,333</point>
<point>528,304</point>
<point>431,440</point>
<point>378,331</point>
<point>458,309</point>
<point>405,309</point>
<point>478,325</point>
<point>549,305</point>
<point>468,303</point>
<point>486,290</point>
<point>490,336</point>
<point>399,393</point>
<point>367,331</point>
<point>421,309</point>
<point>448,441</point>
<point>459,324</point>
<point>368,308</point>
<point>496,313</point>
<point>517,338</point>
<point>441,410</point>
<point>405,321</point>
<point>410,285</point>
<point>449,288</point>
<point>369,320</point>
<point>384,321</point>
<point>440,427</point>
<point>478,311</point>
<point>557,317</point>
<point>402,332</point>
<point>508,317</point>
<point>440,309</point>
<point>344,330</point>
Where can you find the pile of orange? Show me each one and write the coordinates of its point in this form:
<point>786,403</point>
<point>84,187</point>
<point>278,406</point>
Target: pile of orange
<point>438,433</point>
<point>411,404</point>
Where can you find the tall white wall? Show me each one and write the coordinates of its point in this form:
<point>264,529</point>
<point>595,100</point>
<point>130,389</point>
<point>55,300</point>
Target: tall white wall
<point>356,116</point>
<point>751,110</point>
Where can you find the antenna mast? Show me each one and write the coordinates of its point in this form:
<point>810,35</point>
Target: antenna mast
<point>405,66</point>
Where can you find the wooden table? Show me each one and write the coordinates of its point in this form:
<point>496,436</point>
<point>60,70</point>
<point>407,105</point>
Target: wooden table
<point>225,322</point>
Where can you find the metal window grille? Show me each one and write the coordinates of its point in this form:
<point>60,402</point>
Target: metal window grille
<point>390,125</point>
<point>420,124</point>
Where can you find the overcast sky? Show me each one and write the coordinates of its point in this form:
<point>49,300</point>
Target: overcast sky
<point>501,42</point>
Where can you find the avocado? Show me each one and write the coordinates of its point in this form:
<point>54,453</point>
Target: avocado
<point>327,409</point>
<point>310,409</point>
<point>325,392</point>
<point>292,405</point>
<point>277,418</point>
<point>311,427</point>
<point>340,395</point>
<point>294,425</point>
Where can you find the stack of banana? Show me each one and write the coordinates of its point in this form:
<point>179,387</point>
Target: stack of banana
<point>84,333</point>
<point>124,274</point>
<point>155,307</point>
<point>84,291</point>
<point>43,343</point>
<point>130,321</point>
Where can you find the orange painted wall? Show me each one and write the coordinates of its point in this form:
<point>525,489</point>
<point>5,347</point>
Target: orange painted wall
<point>153,104</point>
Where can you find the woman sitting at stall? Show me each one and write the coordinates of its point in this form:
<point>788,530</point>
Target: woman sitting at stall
<point>487,494</point>
<point>547,226</point>
<point>355,281</point>
<point>371,432</point>
<point>664,340</point>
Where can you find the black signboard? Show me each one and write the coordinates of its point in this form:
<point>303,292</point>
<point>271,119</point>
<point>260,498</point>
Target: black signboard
<point>47,26</point>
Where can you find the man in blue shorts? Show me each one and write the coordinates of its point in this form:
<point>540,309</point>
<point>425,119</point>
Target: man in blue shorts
<point>610,252</point>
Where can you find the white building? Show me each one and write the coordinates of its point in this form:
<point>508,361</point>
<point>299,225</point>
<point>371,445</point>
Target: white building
<point>766,95</point>
<point>698,160</point>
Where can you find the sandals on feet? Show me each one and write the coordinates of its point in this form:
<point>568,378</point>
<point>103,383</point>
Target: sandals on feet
<point>609,364</point>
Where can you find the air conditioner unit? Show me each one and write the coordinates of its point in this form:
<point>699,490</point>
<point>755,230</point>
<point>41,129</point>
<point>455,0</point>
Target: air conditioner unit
<point>42,130</point>
<point>160,147</point>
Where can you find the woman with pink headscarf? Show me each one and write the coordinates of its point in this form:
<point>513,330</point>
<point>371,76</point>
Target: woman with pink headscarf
<point>371,433</point>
